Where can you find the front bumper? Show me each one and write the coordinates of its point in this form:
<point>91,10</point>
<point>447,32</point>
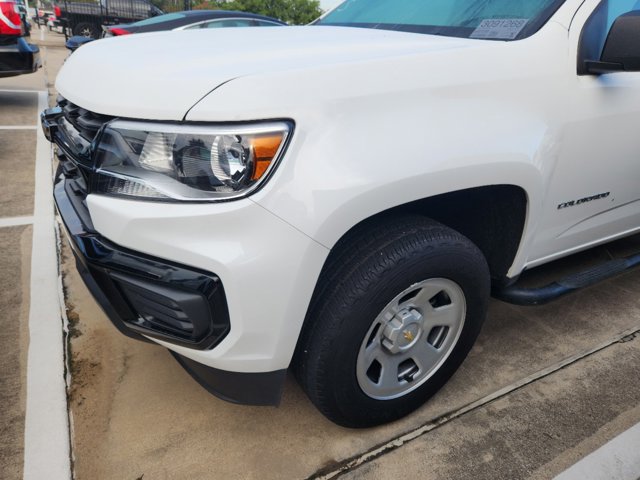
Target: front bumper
<point>142,295</point>
<point>138,292</point>
<point>268,267</point>
<point>18,58</point>
<point>147,297</point>
<point>181,307</point>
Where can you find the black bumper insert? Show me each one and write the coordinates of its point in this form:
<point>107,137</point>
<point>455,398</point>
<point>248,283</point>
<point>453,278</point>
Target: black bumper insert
<point>144,295</point>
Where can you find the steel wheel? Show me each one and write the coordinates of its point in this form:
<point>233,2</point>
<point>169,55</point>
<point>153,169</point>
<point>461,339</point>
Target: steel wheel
<point>409,340</point>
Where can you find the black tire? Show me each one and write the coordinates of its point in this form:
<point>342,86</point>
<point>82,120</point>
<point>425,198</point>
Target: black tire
<point>86,29</point>
<point>371,266</point>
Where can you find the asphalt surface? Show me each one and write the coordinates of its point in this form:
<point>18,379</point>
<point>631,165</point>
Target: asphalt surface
<point>18,108</point>
<point>17,161</point>
<point>543,387</point>
<point>15,245</point>
<point>17,167</point>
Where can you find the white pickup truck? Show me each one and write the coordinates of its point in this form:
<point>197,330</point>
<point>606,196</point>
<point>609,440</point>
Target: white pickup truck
<point>341,199</point>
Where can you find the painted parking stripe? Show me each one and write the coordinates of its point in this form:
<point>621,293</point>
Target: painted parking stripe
<point>15,221</point>
<point>46,436</point>
<point>17,90</point>
<point>617,460</point>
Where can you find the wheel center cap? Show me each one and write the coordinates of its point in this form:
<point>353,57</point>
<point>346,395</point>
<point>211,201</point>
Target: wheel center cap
<point>402,331</point>
<point>410,333</point>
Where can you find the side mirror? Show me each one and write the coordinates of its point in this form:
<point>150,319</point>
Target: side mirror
<point>621,51</point>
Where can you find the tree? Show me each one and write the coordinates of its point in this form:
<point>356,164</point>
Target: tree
<point>294,12</point>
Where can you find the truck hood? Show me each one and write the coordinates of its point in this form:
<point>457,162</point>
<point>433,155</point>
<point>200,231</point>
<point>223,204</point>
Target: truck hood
<point>160,76</point>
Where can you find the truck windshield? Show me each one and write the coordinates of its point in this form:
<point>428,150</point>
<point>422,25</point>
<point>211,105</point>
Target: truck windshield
<point>481,19</point>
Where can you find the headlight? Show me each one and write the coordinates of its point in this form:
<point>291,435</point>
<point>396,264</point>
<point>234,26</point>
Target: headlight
<point>188,163</point>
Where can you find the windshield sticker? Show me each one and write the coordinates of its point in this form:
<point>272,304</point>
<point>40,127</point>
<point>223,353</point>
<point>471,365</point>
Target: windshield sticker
<point>500,28</point>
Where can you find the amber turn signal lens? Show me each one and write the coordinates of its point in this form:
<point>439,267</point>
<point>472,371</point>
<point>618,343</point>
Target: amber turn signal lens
<point>264,151</point>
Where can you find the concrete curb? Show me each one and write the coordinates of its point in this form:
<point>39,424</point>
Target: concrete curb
<point>46,436</point>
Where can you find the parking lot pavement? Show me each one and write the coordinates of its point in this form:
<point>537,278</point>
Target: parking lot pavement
<point>15,245</point>
<point>18,108</point>
<point>33,421</point>
<point>137,412</point>
<point>17,164</point>
<point>536,432</point>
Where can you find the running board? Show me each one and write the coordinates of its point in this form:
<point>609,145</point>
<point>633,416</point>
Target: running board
<point>541,295</point>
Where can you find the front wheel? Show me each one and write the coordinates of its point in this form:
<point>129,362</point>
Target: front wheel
<point>395,313</point>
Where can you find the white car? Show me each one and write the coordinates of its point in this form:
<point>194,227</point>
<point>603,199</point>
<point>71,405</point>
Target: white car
<point>340,199</point>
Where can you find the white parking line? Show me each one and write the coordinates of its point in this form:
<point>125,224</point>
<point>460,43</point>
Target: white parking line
<point>15,221</point>
<point>46,436</point>
<point>18,90</point>
<point>17,127</point>
<point>617,460</point>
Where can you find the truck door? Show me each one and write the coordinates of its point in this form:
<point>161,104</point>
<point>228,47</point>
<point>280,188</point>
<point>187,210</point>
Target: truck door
<point>594,188</point>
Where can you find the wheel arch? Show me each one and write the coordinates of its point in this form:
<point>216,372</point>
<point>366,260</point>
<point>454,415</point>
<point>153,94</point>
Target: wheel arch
<point>477,213</point>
